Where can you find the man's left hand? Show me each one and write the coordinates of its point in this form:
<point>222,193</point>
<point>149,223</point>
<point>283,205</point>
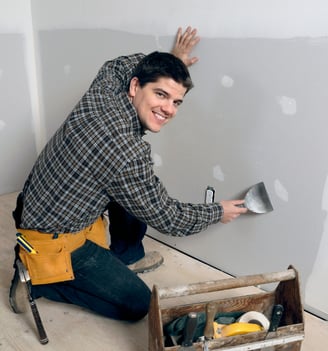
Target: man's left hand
<point>184,44</point>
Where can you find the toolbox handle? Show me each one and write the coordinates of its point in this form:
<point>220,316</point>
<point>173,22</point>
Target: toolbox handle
<point>225,284</point>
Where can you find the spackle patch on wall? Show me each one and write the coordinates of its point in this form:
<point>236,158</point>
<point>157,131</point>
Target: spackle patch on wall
<point>218,173</point>
<point>2,125</point>
<point>157,160</point>
<point>227,82</point>
<point>280,190</point>
<point>158,44</point>
<point>287,104</point>
<point>67,69</point>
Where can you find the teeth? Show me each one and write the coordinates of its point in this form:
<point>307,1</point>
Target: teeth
<point>160,117</point>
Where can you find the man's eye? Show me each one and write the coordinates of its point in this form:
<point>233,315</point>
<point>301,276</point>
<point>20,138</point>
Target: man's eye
<point>160,94</point>
<point>177,103</point>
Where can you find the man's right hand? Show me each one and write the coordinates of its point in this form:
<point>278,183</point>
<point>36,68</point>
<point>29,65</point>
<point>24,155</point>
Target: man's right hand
<point>231,210</point>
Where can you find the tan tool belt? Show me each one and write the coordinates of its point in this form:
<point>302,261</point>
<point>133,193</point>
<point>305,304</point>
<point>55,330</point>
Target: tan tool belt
<point>52,262</point>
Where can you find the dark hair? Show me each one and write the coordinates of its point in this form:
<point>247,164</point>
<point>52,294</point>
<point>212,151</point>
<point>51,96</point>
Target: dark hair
<point>162,64</point>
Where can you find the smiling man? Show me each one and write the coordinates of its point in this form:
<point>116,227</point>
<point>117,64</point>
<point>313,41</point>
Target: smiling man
<point>165,96</point>
<point>157,89</point>
<point>97,163</point>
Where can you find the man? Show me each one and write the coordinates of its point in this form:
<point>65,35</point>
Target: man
<point>96,163</point>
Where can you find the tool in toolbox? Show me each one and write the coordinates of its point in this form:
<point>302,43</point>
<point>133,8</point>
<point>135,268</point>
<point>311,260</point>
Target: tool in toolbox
<point>189,332</point>
<point>257,318</point>
<point>173,331</point>
<point>214,330</point>
<point>239,328</point>
<point>276,316</point>
<point>211,309</point>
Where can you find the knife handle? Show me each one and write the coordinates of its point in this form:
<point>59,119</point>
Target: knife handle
<point>189,329</point>
<point>276,317</point>
<point>211,308</point>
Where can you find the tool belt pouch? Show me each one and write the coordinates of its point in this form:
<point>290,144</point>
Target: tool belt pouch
<point>51,264</point>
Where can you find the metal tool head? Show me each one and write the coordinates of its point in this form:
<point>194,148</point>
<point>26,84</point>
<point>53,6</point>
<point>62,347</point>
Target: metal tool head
<point>23,272</point>
<point>189,332</point>
<point>257,199</point>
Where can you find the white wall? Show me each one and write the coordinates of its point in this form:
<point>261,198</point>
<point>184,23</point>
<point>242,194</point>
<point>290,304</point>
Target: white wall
<point>54,48</point>
<point>18,95</point>
<point>215,18</point>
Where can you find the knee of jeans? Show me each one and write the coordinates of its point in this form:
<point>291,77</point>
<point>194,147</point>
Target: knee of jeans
<point>140,308</point>
<point>137,315</point>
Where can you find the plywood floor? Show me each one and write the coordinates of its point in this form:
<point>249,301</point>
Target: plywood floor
<point>70,328</point>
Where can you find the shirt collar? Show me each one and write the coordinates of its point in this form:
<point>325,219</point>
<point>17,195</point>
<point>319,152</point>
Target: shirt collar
<point>136,125</point>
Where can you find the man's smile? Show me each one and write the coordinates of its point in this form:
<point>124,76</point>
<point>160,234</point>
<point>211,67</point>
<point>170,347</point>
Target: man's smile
<point>156,102</point>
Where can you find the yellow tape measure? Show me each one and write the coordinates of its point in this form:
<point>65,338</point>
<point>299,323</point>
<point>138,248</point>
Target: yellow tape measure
<point>238,328</point>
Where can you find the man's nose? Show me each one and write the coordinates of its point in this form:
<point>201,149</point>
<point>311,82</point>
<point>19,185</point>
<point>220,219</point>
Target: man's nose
<point>169,108</point>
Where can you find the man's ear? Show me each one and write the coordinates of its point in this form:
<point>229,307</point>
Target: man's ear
<point>134,84</point>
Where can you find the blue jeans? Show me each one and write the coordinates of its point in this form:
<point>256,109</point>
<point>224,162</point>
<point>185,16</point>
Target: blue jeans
<point>103,283</point>
<point>126,234</point>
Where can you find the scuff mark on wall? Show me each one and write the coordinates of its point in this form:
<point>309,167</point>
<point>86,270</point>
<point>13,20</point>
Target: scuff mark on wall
<point>280,190</point>
<point>218,173</point>
<point>287,104</point>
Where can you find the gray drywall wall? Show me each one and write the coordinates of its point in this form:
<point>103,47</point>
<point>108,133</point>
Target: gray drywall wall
<point>17,139</point>
<point>70,60</point>
<point>257,113</point>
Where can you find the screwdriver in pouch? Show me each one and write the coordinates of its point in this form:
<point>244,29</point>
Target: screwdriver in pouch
<point>21,240</point>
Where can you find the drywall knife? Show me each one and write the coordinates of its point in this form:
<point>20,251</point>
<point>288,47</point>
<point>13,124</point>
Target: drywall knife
<point>211,309</point>
<point>189,332</point>
<point>277,312</point>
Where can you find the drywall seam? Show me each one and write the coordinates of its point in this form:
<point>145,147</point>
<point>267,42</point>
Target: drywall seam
<point>32,73</point>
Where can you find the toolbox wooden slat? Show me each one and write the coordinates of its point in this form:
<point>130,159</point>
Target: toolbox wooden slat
<point>225,284</point>
<point>288,337</point>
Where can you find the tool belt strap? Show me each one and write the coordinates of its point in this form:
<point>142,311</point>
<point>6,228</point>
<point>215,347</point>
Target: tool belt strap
<point>52,261</point>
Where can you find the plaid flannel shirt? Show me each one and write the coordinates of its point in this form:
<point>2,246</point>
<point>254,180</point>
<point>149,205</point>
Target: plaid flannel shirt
<point>97,156</point>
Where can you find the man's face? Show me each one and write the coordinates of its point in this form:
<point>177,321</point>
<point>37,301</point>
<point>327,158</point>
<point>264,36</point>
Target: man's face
<point>156,103</point>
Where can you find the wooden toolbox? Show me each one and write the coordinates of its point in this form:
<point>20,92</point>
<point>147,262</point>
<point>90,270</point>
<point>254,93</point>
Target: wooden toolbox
<point>287,337</point>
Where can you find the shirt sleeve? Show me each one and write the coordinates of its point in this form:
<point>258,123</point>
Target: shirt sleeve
<point>114,75</point>
<point>142,193</point>
<point>120,160</point>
